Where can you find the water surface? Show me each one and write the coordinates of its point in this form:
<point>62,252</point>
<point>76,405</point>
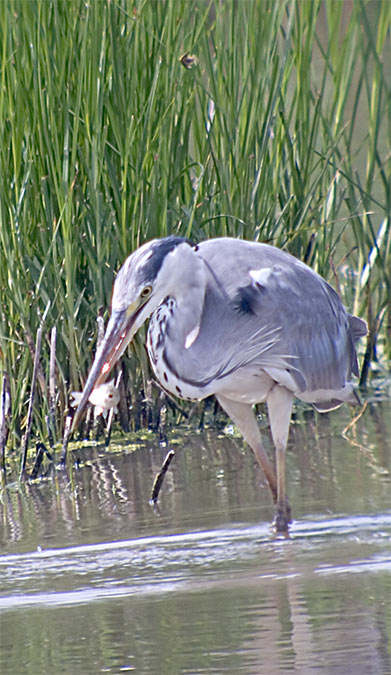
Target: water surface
<point>94,581</point>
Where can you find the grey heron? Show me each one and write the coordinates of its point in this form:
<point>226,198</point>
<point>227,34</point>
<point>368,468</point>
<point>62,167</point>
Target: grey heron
<point>244,321</point>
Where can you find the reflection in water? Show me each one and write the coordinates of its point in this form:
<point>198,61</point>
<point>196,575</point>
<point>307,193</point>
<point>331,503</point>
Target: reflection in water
<point>93,581</point>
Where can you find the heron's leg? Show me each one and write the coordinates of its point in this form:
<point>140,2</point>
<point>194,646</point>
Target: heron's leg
<point>243,416</point>
<point>279,403</point>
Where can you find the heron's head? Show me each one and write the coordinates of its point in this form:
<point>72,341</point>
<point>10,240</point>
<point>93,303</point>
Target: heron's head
<point>145,279</point>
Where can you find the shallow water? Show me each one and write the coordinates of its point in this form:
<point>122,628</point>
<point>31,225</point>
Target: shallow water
<point>93,581</point>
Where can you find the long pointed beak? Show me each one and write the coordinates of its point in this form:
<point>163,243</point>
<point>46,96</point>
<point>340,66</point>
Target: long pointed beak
<point>119,332</point>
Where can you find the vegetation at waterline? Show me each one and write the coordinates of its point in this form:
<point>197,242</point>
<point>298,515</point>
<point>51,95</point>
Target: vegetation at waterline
<point>124,120</point>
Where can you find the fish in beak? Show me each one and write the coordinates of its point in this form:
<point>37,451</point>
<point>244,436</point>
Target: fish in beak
<point>104,398</point>
<point>119,332</point>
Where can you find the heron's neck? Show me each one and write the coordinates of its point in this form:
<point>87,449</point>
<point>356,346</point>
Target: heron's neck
<point>188,276</point>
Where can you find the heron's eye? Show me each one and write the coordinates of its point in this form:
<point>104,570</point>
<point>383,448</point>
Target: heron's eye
<point>146,292</point>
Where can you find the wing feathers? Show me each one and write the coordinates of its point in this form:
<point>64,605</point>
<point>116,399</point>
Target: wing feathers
<point>267,310</point>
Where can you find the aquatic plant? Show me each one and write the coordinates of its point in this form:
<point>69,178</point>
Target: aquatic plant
<point>121,121</point>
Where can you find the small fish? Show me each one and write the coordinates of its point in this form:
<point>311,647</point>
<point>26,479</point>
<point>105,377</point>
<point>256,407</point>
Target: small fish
<point>104,397</point>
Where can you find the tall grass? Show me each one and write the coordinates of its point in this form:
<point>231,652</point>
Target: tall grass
<point>276,126</point>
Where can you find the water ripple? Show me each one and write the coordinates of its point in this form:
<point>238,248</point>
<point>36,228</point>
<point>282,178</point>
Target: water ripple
<point>195,561</point>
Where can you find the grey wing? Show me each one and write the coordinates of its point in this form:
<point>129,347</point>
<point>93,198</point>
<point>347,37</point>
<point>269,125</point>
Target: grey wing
<point>277,314</point>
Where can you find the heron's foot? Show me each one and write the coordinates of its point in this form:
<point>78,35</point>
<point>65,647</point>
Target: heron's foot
<point>282,518</point>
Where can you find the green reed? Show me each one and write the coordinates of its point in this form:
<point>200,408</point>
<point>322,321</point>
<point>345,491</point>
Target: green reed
<point>121,121</point>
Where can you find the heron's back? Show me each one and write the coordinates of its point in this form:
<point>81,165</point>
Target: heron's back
<point>267,292</point>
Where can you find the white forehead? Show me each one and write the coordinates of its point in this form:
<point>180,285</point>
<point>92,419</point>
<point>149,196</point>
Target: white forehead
<point>143,253</point>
